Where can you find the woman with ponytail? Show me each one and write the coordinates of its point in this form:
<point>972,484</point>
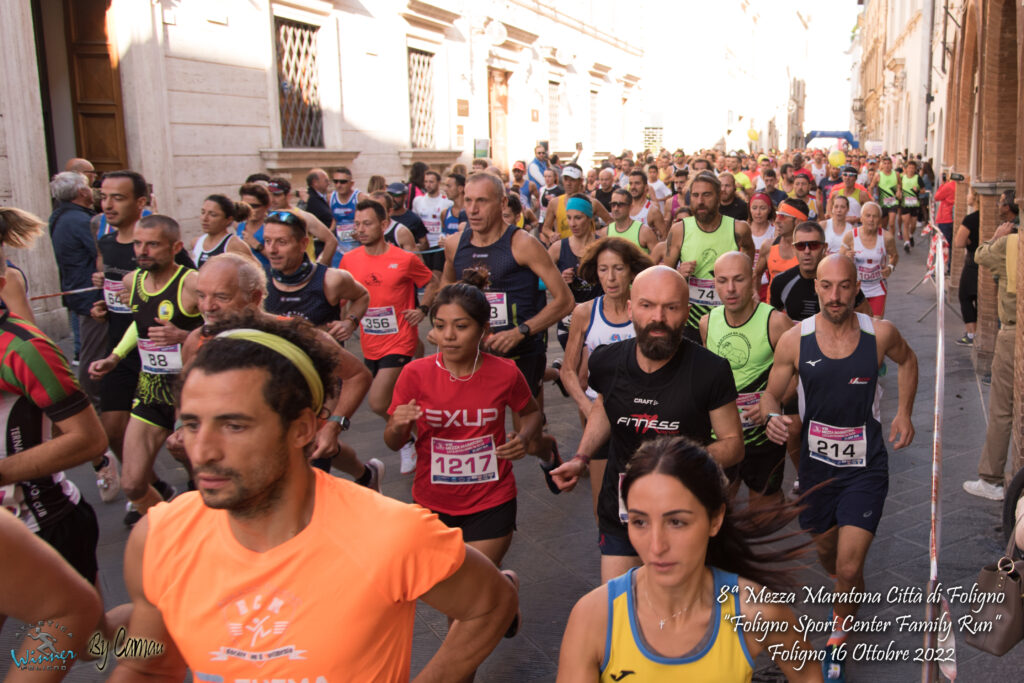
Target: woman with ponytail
<point>17,229</point>
<point>681,615</point>
<point>215,218</point>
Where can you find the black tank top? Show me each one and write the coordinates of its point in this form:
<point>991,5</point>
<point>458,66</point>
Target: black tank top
<point>3,306</point>
<point>202,256</point>
<point>309,302</point>
<point>147,307</point>
<point>582,290</point>
<point>389,234</point>
<point>842,435</point>
<point>513,291</point>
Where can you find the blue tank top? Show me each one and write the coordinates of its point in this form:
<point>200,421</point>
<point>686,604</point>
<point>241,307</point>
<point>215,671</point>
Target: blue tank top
<point>258,236</point>
<point>107,229</point>
<point>450,226</point>
<point>512,293</point>
<point>344,215</point>
<point>839,397</point>
<point>581,289</point>
<point>308,302</point>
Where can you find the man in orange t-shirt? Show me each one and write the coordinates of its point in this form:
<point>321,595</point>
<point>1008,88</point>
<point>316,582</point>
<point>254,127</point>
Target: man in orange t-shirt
<point>275,570</point>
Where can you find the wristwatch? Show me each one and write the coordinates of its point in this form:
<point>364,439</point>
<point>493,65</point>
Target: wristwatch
<point>342,421</point>
<point>524,329</point>
<point>354,319</point>
<point>425,310</point>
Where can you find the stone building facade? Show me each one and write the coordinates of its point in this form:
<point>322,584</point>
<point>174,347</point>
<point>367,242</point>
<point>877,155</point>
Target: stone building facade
<point>984,139</point>
<point>198,94</point>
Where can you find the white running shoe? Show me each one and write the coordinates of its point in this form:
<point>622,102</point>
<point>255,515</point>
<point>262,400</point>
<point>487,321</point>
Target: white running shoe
<point>108,481</point>
<point>408,454</point>
<point>983,489</point>
<point>376,468</point>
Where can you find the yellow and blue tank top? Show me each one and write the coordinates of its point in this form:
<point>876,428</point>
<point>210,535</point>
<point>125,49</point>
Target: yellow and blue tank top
<point>721,658</point>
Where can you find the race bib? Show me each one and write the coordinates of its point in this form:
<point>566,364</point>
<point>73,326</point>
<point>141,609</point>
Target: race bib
<point>499,309</point>
<point>703,292</point>
<point>747,401</point>
<point>837,446</point>
<point>911,201</point>
<point>380,320</point>
<point>872,273</point>
<point>111,296</point>
<point>890,202</point>
<point>460,462</point>
<point>160,360</point>
<point>10,499</point>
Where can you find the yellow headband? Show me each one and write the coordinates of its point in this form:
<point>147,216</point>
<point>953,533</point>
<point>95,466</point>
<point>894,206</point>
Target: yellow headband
<point>297,356</point>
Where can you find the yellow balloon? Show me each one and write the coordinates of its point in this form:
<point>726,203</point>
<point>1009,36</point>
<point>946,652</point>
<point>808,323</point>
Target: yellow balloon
<point>753,135</point>
<point>837,158</point>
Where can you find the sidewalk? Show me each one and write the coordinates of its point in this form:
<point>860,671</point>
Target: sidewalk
<point>555,548</point>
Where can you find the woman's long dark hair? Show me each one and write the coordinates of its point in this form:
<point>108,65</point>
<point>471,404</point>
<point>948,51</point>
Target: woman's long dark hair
<point>732,548</point>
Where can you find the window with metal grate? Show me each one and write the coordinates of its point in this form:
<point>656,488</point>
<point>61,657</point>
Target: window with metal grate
<point>421,99</point>
<point>298,83</point>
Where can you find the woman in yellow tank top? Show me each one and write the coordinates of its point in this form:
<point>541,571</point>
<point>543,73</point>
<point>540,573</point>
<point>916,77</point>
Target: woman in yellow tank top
<point>680,616</point>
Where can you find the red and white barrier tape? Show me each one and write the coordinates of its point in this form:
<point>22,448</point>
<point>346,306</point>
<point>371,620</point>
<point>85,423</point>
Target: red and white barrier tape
<point>937,607</point>
<point>70,291</point>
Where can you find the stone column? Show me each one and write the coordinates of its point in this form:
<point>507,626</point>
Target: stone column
<point>21,126</point>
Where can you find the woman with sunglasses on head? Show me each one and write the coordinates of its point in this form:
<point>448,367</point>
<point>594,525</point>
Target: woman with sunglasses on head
<point>686,613</point>
<point>250,230</point>
<point>762,229</point>
<point>613,264</point>
<point>215,219</point>
<point>456,402</point>
<point>777,255</point>
<point>566,254</point>
<point>874,253</point>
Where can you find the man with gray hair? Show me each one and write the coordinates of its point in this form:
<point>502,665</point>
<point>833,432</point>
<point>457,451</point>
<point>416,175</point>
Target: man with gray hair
<point>75,249</point>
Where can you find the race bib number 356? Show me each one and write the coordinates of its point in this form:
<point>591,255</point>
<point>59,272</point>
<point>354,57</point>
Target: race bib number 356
<point>463,461</point>
<point>381,320</point>
<point>837,446</point>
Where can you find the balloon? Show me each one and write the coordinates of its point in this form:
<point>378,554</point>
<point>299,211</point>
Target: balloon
<point>753,135</point>
<point>837,158</point>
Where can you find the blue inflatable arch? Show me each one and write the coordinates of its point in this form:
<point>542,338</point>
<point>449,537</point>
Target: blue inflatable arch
<point>844,134</point>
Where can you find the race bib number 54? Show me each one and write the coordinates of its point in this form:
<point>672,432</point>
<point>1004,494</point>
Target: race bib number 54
<point>837,446</point>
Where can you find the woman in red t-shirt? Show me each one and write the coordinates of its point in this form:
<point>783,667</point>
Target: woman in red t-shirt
<point>457,401</point>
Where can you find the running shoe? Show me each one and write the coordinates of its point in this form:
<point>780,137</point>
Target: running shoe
<point>983,489</point>
<point>376,468</point>
<point>965,340</point>
<point>911,240</point>
<point>108,481</point>
<point>906,247</point>
<point>796,487</point>
<point>408,454</point>
<point>131,515</point>
<point>75,361</point>
<point>833,671</point>
<point>546,468</point>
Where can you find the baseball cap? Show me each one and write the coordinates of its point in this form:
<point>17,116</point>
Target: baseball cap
<point>572,172</point>
<point>396,188</point>
<point>519,165</point>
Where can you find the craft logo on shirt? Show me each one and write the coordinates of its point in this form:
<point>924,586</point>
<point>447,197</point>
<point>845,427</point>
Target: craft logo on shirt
<point>859,380</point>
<point>646,423</point>
<point>255,623</point>
<point>460,418</point>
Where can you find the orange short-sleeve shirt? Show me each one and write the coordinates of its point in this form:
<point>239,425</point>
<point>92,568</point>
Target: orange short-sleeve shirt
<point>335,603</point>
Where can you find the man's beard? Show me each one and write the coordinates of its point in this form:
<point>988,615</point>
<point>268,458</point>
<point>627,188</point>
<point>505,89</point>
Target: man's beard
<point>659,348</point>
<point>837,318</point>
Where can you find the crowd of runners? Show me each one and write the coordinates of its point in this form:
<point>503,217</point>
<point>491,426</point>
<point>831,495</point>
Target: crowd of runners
<point>720,315</point>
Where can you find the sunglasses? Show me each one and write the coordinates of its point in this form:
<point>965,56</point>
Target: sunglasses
<point>286,218</point>
<point>341,181</point>
<point>811,245</point>
<point>615,204</point>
